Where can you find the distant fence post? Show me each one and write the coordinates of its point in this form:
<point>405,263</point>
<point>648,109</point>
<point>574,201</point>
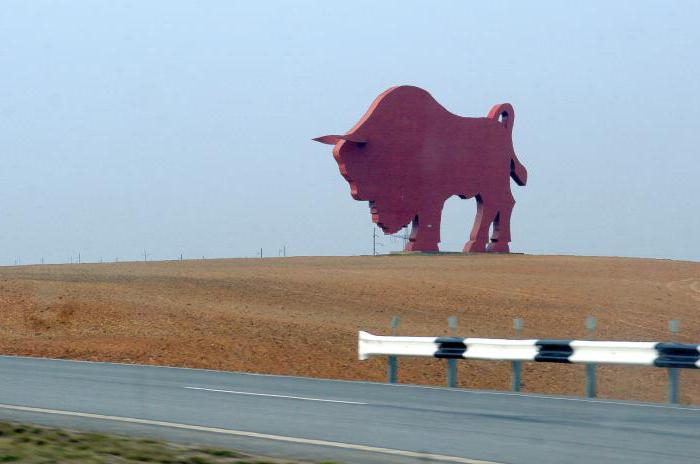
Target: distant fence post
<point>392,364</point>
<point>590,367</point>
<point>516,365</point>
<point>452,363</point>
<point>673,372</point>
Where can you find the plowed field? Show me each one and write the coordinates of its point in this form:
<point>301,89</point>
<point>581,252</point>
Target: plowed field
<point>300,316</point>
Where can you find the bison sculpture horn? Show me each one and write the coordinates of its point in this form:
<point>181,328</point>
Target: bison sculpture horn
<point>408,154</point>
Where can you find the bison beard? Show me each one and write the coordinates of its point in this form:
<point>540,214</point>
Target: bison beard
<point>408,154</point>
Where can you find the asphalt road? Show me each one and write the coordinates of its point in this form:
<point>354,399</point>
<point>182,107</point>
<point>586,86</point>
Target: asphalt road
<point>353,422</point>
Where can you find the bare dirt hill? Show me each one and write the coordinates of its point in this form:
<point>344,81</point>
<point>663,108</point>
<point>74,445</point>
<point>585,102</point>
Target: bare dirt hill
<point>300,316</point>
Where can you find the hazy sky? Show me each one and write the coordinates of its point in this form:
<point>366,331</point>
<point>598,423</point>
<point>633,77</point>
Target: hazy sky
<point>185,127</point>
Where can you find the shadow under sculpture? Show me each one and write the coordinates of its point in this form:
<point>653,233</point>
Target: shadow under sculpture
<point>407,155</point>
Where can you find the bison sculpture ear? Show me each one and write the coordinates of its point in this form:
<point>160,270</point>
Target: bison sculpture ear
<point>333,139</point>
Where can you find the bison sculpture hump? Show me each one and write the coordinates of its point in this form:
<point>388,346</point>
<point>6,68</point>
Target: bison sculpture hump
<point>408,154</point>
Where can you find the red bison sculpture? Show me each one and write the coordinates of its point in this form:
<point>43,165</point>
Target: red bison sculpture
<point>408,154</point>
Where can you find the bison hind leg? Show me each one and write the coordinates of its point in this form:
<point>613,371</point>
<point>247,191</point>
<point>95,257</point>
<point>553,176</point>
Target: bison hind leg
<point>498,247</point>
<point>501,229</point>
<point>485,213</point>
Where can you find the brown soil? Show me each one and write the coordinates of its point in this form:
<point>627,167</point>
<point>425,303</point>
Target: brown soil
<point>300,316</point>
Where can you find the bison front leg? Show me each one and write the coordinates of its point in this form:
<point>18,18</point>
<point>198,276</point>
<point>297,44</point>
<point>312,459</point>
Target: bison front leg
<point>425,231</point>
<point>485,214</point>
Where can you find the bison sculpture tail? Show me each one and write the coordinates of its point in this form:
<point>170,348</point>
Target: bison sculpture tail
<point>505,114</point>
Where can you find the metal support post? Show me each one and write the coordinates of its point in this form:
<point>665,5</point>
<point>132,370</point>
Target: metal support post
<point>452,373</point>
<point>673,372</point>
<point>391,369</point>
<point>452,363</point>
<point>516,376</point>
<point>516,365</point>
<point>591,367</point>
<point>590,381</point>
<point>392,362</point>
<point>673,385</point>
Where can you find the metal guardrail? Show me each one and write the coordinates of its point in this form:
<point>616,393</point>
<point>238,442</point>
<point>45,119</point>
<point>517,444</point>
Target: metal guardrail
<point>667,355</point>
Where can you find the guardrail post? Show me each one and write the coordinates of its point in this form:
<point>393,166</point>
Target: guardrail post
<point>391,369</point>
<point>590,368</point>
<point>452,363</point>
<point>516,376</point>
<point>673,385</point>
<point>392,362</point>
<point>673,373</point>
<point>590,381</point>
<point>452,373</point>
<point>516,365</point>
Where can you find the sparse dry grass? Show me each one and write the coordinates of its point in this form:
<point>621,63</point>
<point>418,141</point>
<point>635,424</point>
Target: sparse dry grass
<point>31,444</point>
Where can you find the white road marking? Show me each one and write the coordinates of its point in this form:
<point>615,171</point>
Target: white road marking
<point>241,433</point>
<point>274,396</point>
